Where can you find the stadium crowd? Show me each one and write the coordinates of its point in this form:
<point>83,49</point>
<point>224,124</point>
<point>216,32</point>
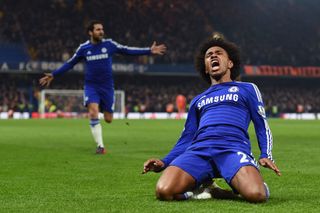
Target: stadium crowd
<point>143,93</point>
<point>268,32</point>
<point>276,32</point>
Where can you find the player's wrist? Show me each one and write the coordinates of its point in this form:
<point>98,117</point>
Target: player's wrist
<point>165,163</point>
<point>266,157</point>
<point>263,155</point>
<point>53,74</point>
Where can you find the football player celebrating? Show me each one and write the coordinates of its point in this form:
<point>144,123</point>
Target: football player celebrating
<point>97,54</point>
<point>215,141</point>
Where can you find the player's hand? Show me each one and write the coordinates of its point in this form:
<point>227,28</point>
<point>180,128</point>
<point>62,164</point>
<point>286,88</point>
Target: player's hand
<point>46,80</point>
<point>266,162</point>
<point>153,164</point>
<point>158,49</point>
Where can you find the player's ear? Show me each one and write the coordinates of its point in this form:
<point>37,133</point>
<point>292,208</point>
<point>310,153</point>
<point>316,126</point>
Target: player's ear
<point>230,64</point>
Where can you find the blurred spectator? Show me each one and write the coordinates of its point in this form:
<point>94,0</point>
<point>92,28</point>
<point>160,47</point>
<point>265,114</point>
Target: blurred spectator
<point>20,92</point>
<point>181,103</point>
<point>169,108</point>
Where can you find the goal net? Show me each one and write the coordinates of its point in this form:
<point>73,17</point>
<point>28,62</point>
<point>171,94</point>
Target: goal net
<point>69,103</point>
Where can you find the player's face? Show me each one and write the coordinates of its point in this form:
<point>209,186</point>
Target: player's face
<point>97,33</point>
<point>217,62</point>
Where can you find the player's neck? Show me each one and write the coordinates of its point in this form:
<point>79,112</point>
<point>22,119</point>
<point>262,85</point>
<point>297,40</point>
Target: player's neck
<point>94,41</point>
<point>221,80</point>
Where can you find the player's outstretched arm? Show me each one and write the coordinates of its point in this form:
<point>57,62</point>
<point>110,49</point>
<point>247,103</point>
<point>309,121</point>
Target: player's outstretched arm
<point>158,49</point>
<point>266,162</point>
<point>153,164</point>
<point>46,80</point>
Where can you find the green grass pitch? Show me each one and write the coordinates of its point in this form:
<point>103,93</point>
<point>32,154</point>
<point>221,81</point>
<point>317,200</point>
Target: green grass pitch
<point>50,166</point>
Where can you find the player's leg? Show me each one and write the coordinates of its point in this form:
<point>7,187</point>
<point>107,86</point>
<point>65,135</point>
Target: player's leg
<point>95,126</point>
<point>184,174</point>
<point>105,97</point>
<point>174,183</point>
<point>106,103</point>
<point>249,183</point>
<point>108,116</point>
<point>91,100</point>
<point>211,189</point>
<point>93,111</point>
<point>220,193</point>
<point>170,187</point>
<point>240,170</point>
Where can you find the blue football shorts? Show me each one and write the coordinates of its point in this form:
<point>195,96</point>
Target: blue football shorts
<point>205,163</point>
<point>100,95</point>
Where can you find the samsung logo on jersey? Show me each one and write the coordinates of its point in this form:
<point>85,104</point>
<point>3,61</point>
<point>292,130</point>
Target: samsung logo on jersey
<point>97,57</point>
<point>216,99</point>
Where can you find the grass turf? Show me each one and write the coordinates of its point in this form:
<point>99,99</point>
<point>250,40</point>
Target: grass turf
<point>50,166</point>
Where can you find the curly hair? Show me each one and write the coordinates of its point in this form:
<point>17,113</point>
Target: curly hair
<point>232,50</point>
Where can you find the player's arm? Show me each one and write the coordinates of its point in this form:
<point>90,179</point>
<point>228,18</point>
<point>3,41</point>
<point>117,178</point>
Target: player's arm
<point>186,137</point>
<point>262,129</point>
<point>182,144</point>
<point>48,77</point>
<point>154,49</point>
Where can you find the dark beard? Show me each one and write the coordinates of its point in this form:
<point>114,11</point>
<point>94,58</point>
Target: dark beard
<point>217,78</point>
<point>96,39</point>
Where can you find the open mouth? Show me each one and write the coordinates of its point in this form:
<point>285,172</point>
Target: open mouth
<point>215,64</point>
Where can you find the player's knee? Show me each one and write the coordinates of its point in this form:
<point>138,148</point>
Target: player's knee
<point>164,193</point>
<point>256,195</point>
<point>93,114</point>
<point>108,119</point>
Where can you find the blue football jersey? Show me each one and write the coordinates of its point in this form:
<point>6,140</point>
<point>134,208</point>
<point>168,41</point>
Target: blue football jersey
<point>98,60</point>
<point>222,114</point>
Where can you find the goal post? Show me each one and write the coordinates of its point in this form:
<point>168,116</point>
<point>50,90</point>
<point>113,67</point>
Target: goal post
<point>72,101</point>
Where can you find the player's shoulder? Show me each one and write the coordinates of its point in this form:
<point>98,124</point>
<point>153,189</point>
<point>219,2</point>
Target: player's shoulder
<point>84,45</point>
<point>108,41</point>
<point>252,89</point>
<point>246,85</point>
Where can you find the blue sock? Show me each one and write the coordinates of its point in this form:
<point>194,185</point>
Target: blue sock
<point>187,195</point>
<point>94,122</point>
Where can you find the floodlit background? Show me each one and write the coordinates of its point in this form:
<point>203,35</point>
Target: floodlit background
<point>279,42</point>
<point>48,165</point>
